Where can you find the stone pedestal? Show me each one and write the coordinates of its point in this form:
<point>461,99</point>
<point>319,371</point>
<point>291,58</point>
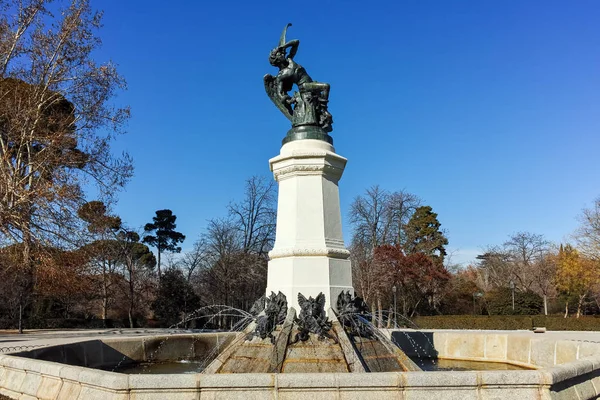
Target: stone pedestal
<point>309,255</point>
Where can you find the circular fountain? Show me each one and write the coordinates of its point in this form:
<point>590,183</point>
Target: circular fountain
<point>555,368</point>
<point>321,344</point>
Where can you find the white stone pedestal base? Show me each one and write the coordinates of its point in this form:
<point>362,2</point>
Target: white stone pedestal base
<point>309,255</point>
<point>309,276</point>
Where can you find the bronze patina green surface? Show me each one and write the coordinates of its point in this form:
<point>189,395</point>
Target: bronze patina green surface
<point>306,108</point>
<point>307,132</point>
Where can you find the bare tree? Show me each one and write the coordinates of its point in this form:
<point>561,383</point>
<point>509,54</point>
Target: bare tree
<point>228,264</point>
<point>588,233</point>
<point>228,274</point>
<point>55,101</point>
<point>525,251</point>
<point>194,260</point>
<point>370,219</point>
<point>401,205</point>
<point>525,259</point>
<point>543,275</point>
<point>56,121</point>
<point>378,217</point>
<point>493,268</point>
<point>18,281</point>
<point>364,275</point>
<point>369,215</point>
<point>221,241</point>
<point>255,216</point>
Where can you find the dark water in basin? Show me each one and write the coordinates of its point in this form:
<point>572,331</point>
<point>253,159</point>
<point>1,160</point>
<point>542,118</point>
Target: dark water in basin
<point>169,367</point>
<point>430,364</point>
<point>427,364</point>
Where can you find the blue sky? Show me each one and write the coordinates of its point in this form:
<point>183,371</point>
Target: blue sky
<point>487,110</point>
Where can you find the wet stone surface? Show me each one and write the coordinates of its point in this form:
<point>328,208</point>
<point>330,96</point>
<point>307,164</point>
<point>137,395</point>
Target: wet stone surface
<point>170,367</point>
<point>314,355</point>
<point>428,364</point>
<point>431,364</point>
<point>376,356</point>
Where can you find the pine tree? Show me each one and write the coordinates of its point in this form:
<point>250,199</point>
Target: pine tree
<point>424,235</point>
<point>165,238</point>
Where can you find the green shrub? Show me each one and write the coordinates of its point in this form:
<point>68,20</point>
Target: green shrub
<point>63,323</point>
<point>499,302</point>
<point>175,298</point>
<point>474,322</point>
<point>508,322</point>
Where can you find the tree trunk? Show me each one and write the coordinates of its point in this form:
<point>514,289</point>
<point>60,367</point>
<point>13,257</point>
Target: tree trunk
<point>545,304</point>
<point>130,315</point>
<point>158,264</point>
<point>579,305</point>
<point>131,302</point>
<point>104,308</point>
<point>566,309</point>
<point>412,314</point>
<point>104,294</point>
<point>380,312</point>
<point>20,317</point>
<point>25,282</point>
<point>131,295</point>
<point>373,314</point>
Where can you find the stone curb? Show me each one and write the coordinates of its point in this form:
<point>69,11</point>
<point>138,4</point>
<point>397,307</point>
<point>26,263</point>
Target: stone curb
<point>28,378</point>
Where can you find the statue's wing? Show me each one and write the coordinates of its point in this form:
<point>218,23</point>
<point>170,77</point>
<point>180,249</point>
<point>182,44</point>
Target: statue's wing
<point>271,89</point>
<point>342,301</point>
<point>282,299</point>
<point>258,306</point>
<point>321,300</point>
<point>301,300</point>
<point>339,304</point>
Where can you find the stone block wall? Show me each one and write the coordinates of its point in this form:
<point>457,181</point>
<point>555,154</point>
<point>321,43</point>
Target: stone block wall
<point>519,348</point>
<point>577,378</point>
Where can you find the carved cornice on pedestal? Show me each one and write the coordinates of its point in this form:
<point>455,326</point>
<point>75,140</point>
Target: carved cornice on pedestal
<point>332,252</point>
<point>308,162</point>
<point>307,169</point>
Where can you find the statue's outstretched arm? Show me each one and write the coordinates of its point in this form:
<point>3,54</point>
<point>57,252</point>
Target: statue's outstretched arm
<point>293,45</point>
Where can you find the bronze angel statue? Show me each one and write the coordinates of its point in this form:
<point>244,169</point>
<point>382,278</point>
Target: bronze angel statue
<point>312,319</point>
<point>275,311</point>
<point>307,106</point>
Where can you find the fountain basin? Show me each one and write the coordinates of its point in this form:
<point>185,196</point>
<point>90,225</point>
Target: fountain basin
<point>564,369</point>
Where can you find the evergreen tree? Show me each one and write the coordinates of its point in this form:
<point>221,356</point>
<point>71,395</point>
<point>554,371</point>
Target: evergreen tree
<point>424,235</point>
<point>165,237</point>
<point>175,299</point>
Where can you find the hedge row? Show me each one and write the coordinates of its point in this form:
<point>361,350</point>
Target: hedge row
<point>494,322</point>
<point>63,323</point>
<point>499,322</point>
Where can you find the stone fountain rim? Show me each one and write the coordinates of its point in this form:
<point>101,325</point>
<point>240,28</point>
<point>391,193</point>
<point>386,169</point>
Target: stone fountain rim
<point>24,376</point>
